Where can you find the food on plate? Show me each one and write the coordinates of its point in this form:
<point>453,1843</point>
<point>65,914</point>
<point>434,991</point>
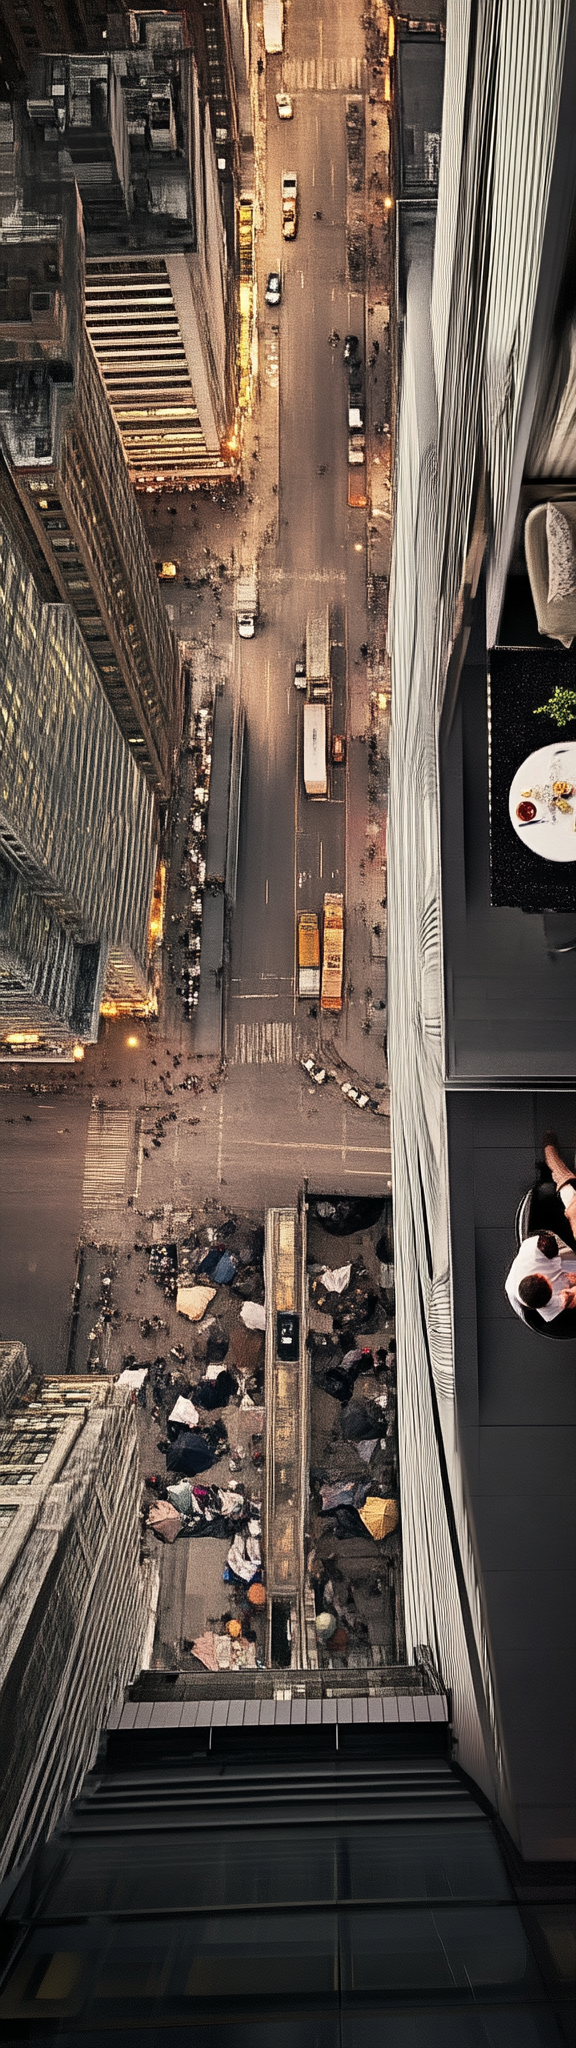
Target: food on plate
<point>560,804</point>
<point>562,789</point>
<point>526,811</point>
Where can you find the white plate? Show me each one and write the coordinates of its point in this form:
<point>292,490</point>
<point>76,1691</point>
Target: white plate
<point>552,835</point>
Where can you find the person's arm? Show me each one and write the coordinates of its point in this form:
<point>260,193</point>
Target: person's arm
<point>569,1296</point>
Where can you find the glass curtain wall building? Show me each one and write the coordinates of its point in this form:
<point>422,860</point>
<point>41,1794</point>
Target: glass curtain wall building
<point>286,1895</point>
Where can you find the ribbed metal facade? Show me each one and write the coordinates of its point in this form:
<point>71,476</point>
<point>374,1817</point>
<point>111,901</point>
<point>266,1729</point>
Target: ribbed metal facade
<point>470,301</point>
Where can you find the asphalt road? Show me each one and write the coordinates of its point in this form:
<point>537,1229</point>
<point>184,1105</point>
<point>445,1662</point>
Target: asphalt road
<point>293,848</point>
<point>267,1127</point>
<point>43,1149</point>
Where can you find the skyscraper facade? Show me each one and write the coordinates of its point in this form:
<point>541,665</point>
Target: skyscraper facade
<point>482,981</point>
<point>65,457</point>
<point>77,832</point>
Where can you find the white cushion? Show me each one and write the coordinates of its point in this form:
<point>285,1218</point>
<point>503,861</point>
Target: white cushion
<point>561,555</point>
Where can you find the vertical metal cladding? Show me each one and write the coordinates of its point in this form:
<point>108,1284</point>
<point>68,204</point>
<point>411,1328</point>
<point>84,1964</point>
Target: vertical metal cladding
<point>470,298</point>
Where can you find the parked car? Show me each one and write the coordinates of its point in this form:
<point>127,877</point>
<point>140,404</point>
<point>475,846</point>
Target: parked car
<point>166,571</point>
<point>284,107</point>
<point>273,292</point>
<point>338,746</point>
<point>300,674</point>
<point>350,346</point>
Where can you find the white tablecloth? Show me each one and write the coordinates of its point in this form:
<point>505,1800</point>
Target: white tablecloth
<point>552,833</point>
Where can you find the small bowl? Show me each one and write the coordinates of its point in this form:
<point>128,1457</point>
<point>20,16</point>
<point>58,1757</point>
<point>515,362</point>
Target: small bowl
<point>526,811</point>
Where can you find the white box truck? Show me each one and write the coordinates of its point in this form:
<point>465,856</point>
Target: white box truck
<point>315,770</point>
<point>247,602</point>
<point>273,26</point>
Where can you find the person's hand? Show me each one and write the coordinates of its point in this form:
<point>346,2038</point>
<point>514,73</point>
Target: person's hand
<point>569,1296</point>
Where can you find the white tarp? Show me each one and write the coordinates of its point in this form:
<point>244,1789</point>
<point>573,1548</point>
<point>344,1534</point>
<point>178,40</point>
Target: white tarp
<point>253,1314</point>
<point>335,1278</point>
<point>133,1376</point>
<point>185,1412</point>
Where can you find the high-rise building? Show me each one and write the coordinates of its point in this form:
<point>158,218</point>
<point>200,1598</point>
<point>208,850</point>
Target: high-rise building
<point>66,462</point>
<point>73,1594</point>
<point>77,837</point>
<point>260,1878</point>
<point>160,299</point>
<point>34,25</point>
<point>482,925</point>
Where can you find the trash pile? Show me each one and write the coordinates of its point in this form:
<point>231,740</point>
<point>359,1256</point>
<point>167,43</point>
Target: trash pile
<point>354,1518</point>
<point>193,867</point>
<point>217,1365</point>
<point>163,1268</point>
<point>223,1511</point>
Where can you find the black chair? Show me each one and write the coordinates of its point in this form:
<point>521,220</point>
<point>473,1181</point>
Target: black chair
<point>560,932</point>
<point>541,1209</point>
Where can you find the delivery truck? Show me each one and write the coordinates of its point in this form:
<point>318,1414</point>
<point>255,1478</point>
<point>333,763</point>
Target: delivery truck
<point>357,482</point>
<point>289,205</point>
<point>318,657</point>
<point>273,26</point>
<point>247,602</point>
<point>308,954</point>
<point>315,768</point>
<point>332,952</point>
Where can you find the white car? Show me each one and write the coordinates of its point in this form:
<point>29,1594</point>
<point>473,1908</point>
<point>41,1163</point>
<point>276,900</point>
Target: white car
<point>273,292</point>
<point>284,106</point>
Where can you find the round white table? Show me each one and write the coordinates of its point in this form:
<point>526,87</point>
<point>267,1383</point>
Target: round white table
<point>552,833</point>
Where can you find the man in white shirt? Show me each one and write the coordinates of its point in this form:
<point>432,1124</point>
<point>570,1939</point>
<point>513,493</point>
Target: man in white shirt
<point>542,1282</point>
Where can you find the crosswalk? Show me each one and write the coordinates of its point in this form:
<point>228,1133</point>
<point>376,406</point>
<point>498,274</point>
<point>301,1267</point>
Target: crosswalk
<point>271,361</point>
<point>108,1151</point>
<point>263,1045</point>
<point>325,74</point>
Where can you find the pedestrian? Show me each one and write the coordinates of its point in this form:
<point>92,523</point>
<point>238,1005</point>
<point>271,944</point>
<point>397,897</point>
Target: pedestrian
<point>541,1284</point>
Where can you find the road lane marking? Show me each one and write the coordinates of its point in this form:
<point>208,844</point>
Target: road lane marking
<point>321,859</point>
<point>108,1146</point>
<point>263,1045</point>
<point>220,1139</point>
<point>303,1145</point>
<point>267,889</point>
<point>266,997</point>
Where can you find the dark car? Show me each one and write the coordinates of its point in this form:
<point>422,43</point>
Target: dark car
<point>273,292</point>
<point>300,674</point>
<point>350,346</point>
<point>287,1336</point>
<point>355,373</point>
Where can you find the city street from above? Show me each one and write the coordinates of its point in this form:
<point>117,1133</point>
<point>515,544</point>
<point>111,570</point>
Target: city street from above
<point>287,991</point>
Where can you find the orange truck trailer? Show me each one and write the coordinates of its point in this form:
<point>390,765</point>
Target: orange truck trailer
<point>332,953</point>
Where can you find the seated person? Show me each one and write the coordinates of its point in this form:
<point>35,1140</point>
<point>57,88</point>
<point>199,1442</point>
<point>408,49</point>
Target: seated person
<point>541,1284</point>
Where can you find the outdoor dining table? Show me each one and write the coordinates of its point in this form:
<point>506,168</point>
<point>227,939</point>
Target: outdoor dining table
<point>532,816</point>
<point>542,801</point>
